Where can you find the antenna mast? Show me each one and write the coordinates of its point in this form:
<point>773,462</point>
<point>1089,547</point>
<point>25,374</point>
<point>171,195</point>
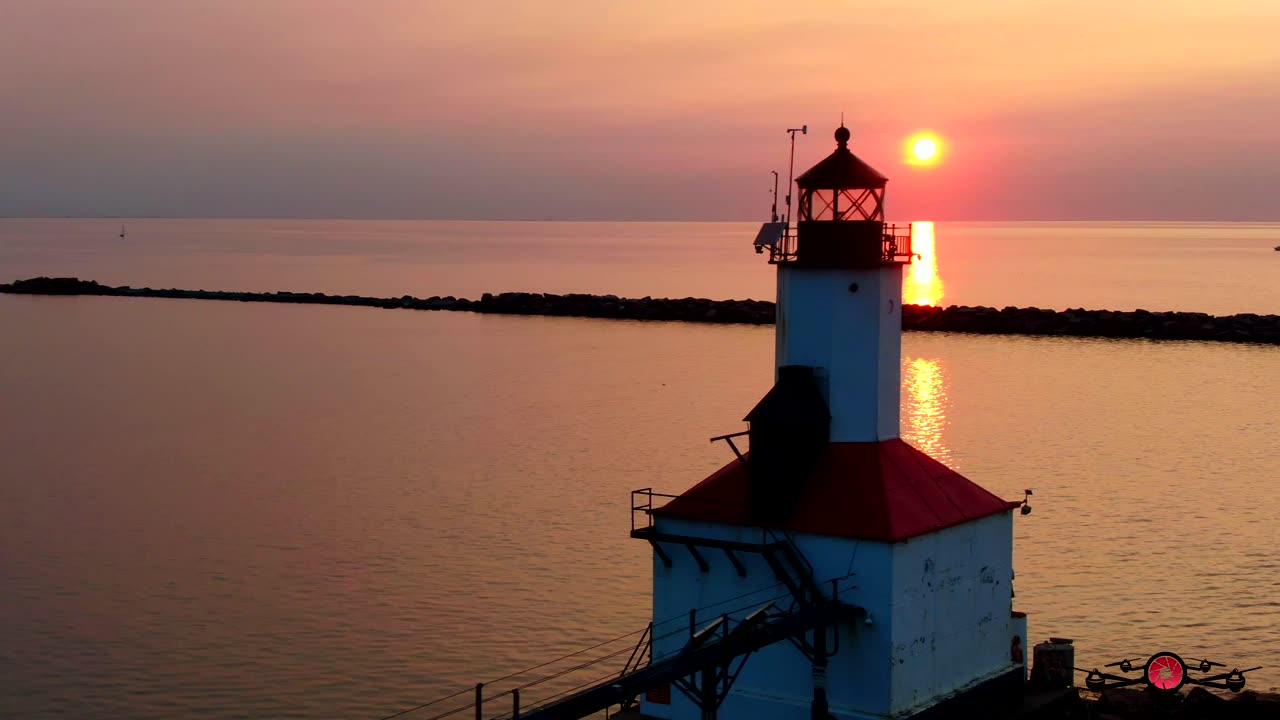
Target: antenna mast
<point>775,195</point>
<point>803,130</point>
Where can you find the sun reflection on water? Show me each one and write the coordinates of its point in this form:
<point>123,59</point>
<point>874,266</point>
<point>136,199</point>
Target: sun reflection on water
<point>922,285</point>
<point>924,408</point>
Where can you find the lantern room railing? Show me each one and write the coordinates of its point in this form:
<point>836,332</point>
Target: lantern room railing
<point>895,246</point>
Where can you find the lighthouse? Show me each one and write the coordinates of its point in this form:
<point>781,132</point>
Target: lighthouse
<point>889,573</point>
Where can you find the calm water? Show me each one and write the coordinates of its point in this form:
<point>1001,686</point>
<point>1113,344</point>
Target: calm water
<point>1207,267</point>
<point>232,510</point>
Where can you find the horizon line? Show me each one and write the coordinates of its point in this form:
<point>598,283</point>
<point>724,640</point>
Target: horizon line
<point>298,218</point>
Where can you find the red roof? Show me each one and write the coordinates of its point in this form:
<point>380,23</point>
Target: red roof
<point>887,491</point>
<point>841,170</point>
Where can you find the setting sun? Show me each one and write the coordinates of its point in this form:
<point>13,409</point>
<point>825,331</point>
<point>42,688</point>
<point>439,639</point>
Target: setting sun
<point>923,149</point>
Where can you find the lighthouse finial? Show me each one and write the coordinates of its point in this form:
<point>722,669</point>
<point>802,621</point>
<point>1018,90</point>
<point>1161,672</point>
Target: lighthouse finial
<point>842,135</point>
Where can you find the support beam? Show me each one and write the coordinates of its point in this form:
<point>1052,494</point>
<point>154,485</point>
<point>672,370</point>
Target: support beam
<point>737,564</point>
<point>666,559</point>
<point>818,709</point>
<point>729,439</point>
<point>708,702</point>
<point>652,534</point>
<point>697,556</point>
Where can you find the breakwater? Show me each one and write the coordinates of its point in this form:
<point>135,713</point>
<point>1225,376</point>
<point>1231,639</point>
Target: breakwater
<point>1247,327</point>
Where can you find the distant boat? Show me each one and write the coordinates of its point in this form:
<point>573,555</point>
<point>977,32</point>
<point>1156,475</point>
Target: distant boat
<point>122,233</point>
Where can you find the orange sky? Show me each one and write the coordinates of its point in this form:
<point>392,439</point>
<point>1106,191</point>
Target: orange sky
<point>1148,109</point>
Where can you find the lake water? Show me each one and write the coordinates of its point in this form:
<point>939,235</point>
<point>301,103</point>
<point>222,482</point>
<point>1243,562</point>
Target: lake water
<point>1206,267</point>
<point>235,510</point>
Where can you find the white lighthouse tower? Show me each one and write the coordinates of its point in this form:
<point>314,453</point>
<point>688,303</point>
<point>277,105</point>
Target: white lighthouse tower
<point>891,571</point>
<point>840,295</point>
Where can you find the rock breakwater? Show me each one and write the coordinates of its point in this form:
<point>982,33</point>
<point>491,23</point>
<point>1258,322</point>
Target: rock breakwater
<point>1247,327</point>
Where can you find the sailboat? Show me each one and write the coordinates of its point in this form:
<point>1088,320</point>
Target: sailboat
<point>121,231</point>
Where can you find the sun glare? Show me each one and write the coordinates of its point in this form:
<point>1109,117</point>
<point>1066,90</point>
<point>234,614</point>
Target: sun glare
<point>922,285</point>
<point>923,149</point>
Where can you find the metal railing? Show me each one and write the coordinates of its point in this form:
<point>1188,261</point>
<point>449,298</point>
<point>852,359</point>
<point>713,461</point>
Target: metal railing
<point>642,506</point>
<point>895,245</point>
<point>784,250</point>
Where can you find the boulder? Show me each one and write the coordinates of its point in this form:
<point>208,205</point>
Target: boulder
<point>57,286</point>
<point>1252,705</point>
<point>1132,703</point>
<point>1201,704</point>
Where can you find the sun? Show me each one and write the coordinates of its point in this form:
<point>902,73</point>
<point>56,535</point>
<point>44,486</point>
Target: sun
<point>923,149</point>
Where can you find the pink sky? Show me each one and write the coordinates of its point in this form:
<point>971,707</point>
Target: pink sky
<point>1147,109</point>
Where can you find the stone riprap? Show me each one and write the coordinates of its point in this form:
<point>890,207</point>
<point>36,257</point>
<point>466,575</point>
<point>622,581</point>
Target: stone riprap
<point>1247,327</point>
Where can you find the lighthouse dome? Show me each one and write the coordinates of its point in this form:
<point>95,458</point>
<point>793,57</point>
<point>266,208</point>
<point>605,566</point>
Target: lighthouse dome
<point>842,170</point>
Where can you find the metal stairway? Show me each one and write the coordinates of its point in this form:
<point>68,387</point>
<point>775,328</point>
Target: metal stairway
<point>791,568</point>
<point>715,646</point>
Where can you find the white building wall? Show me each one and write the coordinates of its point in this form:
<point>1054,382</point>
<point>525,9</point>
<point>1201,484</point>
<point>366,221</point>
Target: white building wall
<point>853,337</point>
<point>683,587</point>
<point>939,609</point>
<point>777,682</point>
<point>952,624</point>
<point>889,370</point>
